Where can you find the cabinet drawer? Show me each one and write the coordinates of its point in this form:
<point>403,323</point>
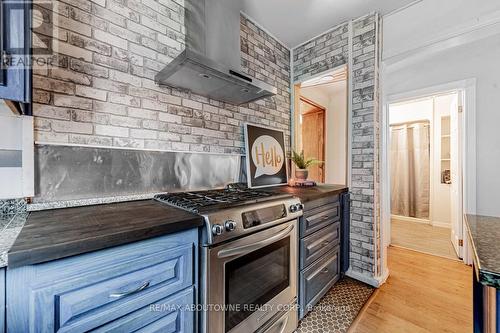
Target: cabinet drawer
<point>316,280</point>
<point>168,315</point>
<point>319,217</point>
<point>84,292</point>
<point>315,245</point>
<point>312,205</point>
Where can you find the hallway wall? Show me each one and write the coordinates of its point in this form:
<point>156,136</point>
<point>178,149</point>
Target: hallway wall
<point>452,40</point>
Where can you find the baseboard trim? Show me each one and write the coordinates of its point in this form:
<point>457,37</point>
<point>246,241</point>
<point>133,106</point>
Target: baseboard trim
<point>424,252</point>
<point>441,224</point>
<point>410,219</point>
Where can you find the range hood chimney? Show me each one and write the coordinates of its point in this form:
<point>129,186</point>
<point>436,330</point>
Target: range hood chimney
<point>211,62</point>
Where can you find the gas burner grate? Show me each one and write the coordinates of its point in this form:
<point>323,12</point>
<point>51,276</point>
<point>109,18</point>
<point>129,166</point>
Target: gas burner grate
<point>194,201</point>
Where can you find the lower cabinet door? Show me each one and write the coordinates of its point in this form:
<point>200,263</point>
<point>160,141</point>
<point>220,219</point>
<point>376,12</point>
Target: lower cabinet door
<point>114,289</point>
<point>317,279</point>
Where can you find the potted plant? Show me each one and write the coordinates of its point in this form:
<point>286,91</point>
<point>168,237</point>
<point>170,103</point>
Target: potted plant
<point>302,164</point>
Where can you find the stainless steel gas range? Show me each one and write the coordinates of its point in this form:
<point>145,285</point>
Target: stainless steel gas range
<point>248,275</point>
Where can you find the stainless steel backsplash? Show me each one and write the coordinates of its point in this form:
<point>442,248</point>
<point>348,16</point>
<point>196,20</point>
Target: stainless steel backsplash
<point>73,172</point>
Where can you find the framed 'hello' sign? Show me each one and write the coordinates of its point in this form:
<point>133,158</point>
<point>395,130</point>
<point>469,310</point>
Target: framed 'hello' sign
<point>265,156</point>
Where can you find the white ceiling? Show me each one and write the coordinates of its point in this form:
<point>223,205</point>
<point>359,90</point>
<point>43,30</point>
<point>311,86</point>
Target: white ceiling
<point>296,21</point>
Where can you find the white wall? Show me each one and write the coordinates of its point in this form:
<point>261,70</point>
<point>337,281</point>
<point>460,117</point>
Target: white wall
<point>334,98</point>
<point>16,133</point>
<point>452,40</point>
<point>411,111</point>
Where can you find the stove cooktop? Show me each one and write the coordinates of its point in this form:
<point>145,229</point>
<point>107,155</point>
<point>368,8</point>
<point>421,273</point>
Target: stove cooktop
<point>202,201</point>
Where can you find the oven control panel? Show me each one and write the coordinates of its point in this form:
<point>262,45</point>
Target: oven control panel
<point>226,224</point>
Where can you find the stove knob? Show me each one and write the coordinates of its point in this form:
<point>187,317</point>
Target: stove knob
<point>217,229</point>
<point>300,206</point>
<point>293,208</point>
<point>230,225</point>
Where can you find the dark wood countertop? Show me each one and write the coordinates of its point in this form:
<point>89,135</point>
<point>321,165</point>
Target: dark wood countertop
<point>58,233</point>
<point>311,193</point>
<point>484,236</point>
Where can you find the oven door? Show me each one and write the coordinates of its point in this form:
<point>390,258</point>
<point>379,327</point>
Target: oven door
<point>250,280</point>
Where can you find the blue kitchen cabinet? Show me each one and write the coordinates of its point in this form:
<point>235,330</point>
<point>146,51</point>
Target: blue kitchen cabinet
<point>15,50</point>
<point>147,286</point>
<point>323,243</point>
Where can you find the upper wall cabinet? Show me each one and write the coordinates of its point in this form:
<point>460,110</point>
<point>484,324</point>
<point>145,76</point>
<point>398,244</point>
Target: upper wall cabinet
<point>15,50</point>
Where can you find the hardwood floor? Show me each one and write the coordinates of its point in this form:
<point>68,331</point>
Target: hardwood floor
<point>423,238</point>
<point>423,293</point>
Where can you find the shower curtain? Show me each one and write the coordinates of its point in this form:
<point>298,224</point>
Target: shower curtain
<point>410,169</point>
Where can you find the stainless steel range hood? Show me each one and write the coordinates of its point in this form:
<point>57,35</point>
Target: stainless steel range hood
<point>210,65</point>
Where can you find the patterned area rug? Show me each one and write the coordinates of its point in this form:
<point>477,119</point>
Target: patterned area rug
<point>336,311</point>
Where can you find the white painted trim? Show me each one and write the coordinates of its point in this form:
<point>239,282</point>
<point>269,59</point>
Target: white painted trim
<point>441,224</point>
<point>258,25</point>
<point>483,27</point>
<point>385,185</point>
<point>377,249</point>
<point>400,9</point>
<point>469,143</point>
<point>130,148</point>
<point>28,157</point>
<point>410,219</point>
<point>350,86</point>
<point>383,277</point>
<point>468,86</point>
<point>437,90</point>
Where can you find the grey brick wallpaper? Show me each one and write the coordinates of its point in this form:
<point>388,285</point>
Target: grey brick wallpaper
<point>365,213</point>
<point>326,52</point>
<point>100,90</point>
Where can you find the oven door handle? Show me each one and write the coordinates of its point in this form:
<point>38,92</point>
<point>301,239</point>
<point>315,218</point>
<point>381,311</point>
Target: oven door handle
<point>231,252</point>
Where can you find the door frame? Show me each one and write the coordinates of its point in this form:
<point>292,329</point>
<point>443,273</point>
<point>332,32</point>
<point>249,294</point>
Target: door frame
<point>322,109</point>
<point>468,87</point>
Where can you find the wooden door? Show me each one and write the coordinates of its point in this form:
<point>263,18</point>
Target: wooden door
<point>313,138</point>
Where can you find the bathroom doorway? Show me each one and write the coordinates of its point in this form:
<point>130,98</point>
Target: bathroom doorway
<point>426,173</point>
